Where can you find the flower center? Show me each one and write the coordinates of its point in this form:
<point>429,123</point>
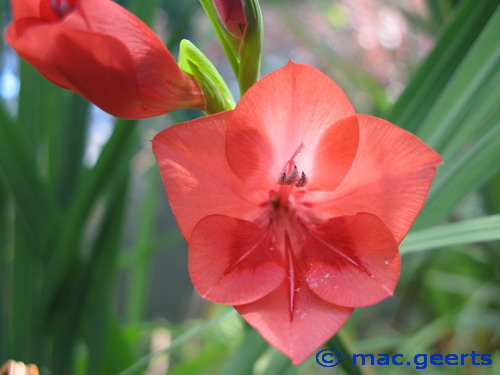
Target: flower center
<point>289,178</point>
<point>286,215</point>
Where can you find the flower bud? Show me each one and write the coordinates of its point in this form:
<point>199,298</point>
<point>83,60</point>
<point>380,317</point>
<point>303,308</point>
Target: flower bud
<point>104,53</point>
<point>232,16</point>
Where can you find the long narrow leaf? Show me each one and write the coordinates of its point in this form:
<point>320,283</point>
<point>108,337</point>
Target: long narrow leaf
<point>452,45</point>
<point>464,232</point>
<point>462,176</point>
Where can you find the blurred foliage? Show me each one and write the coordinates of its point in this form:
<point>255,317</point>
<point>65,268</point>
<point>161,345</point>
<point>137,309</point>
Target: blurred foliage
<point>93,275</point>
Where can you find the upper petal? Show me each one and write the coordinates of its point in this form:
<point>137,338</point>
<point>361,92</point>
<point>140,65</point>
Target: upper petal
<point>334,155</point>
<point>233,261</point>
<point>290,107</point>
<point>313,321</point>
<point>354,260</point>
<point>389,178</point>
<point>196,175</point>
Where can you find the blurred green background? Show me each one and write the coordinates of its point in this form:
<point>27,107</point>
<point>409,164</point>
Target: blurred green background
<point>93,271</point>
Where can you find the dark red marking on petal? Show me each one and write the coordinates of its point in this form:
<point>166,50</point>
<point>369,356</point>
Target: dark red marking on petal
<point>233,261</point>
<point>354,260</point>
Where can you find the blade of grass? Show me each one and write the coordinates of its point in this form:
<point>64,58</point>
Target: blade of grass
<point>277,364</point>
<point>143,249</point>
<point>66,142</point>
<point>249,351</point>
<point>24,298</point>
<point>480,65</point>
<point>212,355</point>
<point>199,329</point>
<point>462,176</point>
<point>337,342</point>
<point>87,293</point>
<point>6,256</point>
<point>30,106</point>
<point>32,197</point>
<point>86,196</point>
<point>436,16</point>
<point>464,232</point>
<point>452,45</point>
<point>473,126</point>
<point>102,274</point>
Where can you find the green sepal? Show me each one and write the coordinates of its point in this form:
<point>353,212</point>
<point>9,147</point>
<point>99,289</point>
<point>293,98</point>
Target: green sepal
<point>192,61</point>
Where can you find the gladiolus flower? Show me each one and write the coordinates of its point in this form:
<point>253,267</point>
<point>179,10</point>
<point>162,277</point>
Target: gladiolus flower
<point>104,53</point>
<point>232,16</point>
<point>293,205</point>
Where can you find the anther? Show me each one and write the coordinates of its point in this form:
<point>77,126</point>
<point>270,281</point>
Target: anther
<point>290,178</point>
<point>302,180</point>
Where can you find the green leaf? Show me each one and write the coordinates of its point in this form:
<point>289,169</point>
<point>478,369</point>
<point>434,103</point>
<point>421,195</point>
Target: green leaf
<point>464,232</point>
<point>249,351</point>
<point>337,342</point>
<point>199,329</point>
<point>67,247</point>
<point>452,45</point>
<point>33,199</point>
<point>218,98</point>
<point>101,269</point>
<point>480,67</point>
<point>460,177</point>
<point>143,249</point>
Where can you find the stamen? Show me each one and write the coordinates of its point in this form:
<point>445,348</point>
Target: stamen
<point>302,180</point>
<point>290,174</point>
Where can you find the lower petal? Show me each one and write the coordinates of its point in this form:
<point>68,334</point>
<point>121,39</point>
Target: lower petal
<point>232,261</point>
<point>354,260</point>
<point>298,335</point>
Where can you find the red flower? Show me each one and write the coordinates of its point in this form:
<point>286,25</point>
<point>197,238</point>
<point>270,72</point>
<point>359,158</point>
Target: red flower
<point>293,205</point>
<point>232,16</point>
<point>104,53</point>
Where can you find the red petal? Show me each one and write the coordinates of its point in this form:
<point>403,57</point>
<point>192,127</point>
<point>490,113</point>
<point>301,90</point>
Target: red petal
<point>390,178</point>
<point>196,175</point>
<point>294,105</point>
<point>335,155</point>
<point>314,321</point>
<point>354,260</point>
<point>97,67</point>
<point>233,261</point>
<point>25,8</point>
<point>160,82</point>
